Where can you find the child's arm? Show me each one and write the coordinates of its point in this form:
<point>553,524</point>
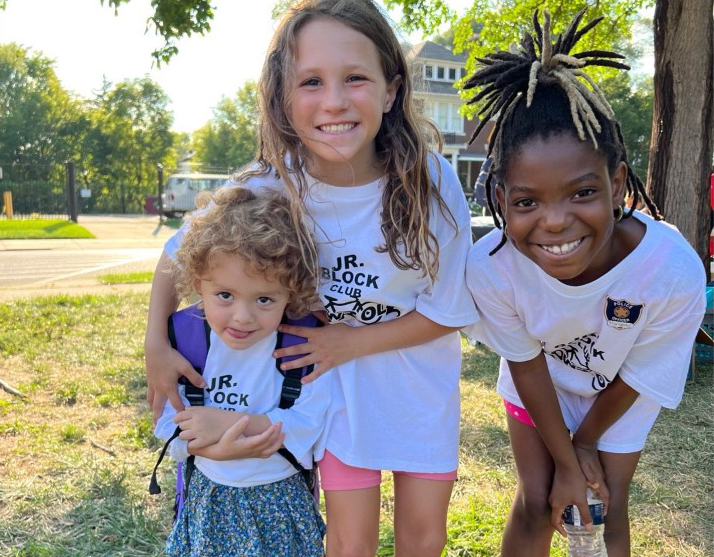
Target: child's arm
<point>535,389</point>
<point>164,365</point>
<point>234,445</point>
<point>335,344</point>
<point>609,406</point>
<point>202,426</point>
<point>302,425</point>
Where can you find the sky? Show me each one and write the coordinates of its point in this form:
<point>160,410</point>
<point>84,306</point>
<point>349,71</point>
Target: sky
<point>89,43</point>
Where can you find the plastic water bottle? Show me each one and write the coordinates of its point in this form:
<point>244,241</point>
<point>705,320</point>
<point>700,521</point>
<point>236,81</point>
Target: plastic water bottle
<point>582,543</point>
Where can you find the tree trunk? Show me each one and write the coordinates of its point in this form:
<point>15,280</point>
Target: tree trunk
<point>683,118</point>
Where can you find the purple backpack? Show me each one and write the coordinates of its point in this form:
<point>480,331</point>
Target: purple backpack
<point>190,334</point>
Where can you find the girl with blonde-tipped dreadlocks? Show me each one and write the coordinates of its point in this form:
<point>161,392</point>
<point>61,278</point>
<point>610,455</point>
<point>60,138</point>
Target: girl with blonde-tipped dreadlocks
<point>593,308</point>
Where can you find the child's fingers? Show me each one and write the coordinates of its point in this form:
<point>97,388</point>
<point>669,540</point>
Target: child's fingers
<point>194,377</point>
<point>236,430</point>
<point>303,349</point>
<point>174,399</point>
<point>304,332</point>
<point>556,520</point>
<point>319,370</point>
<point>604,497</point>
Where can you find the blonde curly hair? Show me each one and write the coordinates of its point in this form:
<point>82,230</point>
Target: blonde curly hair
<point>258,228</point>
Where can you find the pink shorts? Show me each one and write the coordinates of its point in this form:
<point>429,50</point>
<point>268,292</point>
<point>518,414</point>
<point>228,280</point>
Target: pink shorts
<point>335,475</point>
<point>519,413</point>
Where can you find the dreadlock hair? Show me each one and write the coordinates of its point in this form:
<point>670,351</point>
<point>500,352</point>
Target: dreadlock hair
<point>536,93</point>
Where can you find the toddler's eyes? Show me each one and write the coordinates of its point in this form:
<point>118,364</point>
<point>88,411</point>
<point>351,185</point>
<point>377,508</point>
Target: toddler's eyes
<point>224,296</point>
<point>264,301</point>
<point>355,78</point>
<point>525,203</point>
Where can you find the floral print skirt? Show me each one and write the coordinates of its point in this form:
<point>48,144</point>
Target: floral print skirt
<point>278,519</point>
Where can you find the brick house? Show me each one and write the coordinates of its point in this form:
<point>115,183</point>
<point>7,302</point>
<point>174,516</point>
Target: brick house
<point>435,69</point>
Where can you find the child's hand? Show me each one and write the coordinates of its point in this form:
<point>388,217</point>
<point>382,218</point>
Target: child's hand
<point>326,347</point>
<point>592,469</point>
<point>202,426</point>
<point>164,367</point>
<point>569,488</point>
<point>234,445</point>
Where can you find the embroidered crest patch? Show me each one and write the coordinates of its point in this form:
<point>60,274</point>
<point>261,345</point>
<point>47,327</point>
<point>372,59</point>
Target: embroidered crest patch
<point>622,314</point>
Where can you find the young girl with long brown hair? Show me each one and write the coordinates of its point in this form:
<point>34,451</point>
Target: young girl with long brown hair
<point>340,136</point>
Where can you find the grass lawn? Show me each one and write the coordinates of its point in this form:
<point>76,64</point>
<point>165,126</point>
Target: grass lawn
<point>77,454</point>
<point>127,278</point>
<point>41,229</point>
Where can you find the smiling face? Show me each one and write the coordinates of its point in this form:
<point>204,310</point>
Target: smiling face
<point>558,203</point>
<point>339,96</point>
<point>242,306</point>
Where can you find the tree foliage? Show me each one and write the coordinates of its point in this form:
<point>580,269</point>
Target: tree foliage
<point>503,23</point>
<point>116,139</point>
<point>230,139</point>
<point>172,20</point>
<point>38,118</point>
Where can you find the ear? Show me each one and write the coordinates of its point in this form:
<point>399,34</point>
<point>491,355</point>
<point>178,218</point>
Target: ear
<point>197,286</point>
<point>392,89</point>
<point>617,183</point>
<point>501,198</point>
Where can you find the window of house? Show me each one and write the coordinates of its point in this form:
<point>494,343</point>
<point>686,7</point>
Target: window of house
<point>463,72</point>
<point>445,115</point>
<point>440,72</point>
<point>442,118</point>
<point>428,72</point>
<point>452,74</point>
<point>457,122</point>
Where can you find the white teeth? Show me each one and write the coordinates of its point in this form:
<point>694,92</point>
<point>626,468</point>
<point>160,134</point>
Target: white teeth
<point>337,128</point>
<point>562,249</point>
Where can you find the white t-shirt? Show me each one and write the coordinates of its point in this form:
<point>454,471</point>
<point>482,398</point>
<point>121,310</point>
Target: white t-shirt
<point>397,410</point>
<point>638,320</point>
<point>248,381</point>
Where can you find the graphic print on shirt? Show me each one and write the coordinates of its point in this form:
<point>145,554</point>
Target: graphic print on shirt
<point>221,392</point>
<point>578,354</point>
<point>348,278</point>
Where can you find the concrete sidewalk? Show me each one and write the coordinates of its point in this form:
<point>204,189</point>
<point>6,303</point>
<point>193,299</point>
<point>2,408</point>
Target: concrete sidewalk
<point>143,233</point>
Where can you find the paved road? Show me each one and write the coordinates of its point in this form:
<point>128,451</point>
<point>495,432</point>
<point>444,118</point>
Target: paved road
<point>34,268</point>
<point>123,244</point>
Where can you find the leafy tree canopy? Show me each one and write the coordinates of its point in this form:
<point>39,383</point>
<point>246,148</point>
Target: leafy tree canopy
<point>504,22</point>
<point>230,139</point>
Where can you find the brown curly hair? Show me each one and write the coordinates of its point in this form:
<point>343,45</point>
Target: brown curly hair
<point>258,228</point>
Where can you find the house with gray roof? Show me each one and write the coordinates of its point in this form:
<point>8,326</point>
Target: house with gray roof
<point>435,70</point>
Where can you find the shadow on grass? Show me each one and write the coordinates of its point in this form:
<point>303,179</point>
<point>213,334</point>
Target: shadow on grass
<point>104,519</point>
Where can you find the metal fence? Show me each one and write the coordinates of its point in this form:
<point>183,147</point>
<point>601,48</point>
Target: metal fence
<point>63,191</point>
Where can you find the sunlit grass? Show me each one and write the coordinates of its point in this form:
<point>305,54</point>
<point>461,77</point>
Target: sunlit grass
<point>127,278</point>
<point>76,455</point>
<point>41,229</point>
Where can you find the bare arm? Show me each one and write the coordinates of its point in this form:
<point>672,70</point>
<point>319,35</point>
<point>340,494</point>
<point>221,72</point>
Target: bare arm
<point>164,365</point>
<point>335,344</point>
<point>535,388</point>
<point>609,406</point>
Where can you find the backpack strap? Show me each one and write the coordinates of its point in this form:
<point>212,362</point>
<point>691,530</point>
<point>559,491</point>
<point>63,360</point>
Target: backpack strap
<point>292,387</point>
<point>291,378</point>
<point>190,335</point>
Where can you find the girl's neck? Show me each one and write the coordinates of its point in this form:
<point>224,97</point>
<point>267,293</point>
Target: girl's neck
<point>342,174</point>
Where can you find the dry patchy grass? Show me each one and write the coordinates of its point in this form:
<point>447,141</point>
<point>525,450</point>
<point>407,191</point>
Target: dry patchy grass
<point>76,456</point>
